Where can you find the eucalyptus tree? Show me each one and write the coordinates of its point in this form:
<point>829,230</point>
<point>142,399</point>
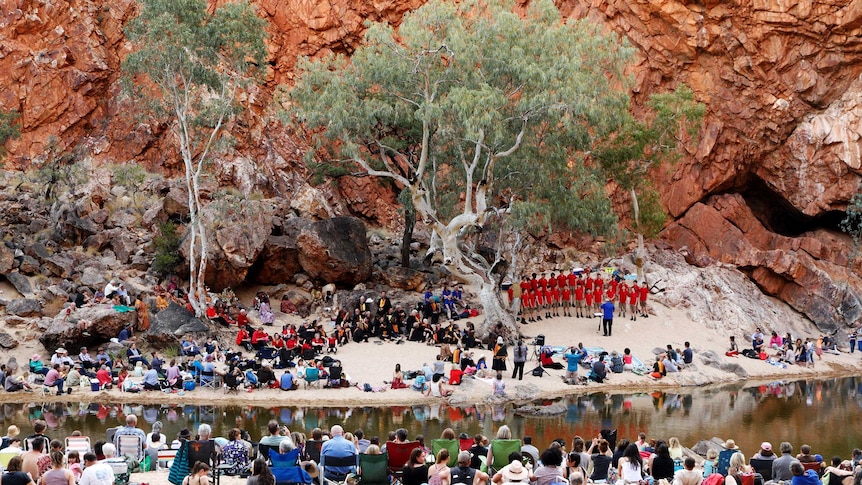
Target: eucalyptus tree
<point>480,114</point>
<point>188,65</point>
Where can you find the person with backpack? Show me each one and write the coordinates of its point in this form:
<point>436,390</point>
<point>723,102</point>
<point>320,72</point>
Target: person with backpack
<point>520,358</point>
<point>464,474</point>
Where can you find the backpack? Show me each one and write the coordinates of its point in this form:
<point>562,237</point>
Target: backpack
<point>367,387</point>
<point>713,479</point>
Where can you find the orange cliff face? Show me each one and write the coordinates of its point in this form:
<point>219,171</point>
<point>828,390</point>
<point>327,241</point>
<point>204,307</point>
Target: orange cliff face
<point>780,141</point>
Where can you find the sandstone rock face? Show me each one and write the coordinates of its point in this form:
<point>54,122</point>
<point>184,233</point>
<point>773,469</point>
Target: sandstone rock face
<point>105,324</point>
<point>20,282</point>
<point>809,271</point>
<point>335,251</point>
<point>279,260</point>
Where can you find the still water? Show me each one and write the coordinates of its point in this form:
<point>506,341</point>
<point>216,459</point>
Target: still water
<point>822,413</point>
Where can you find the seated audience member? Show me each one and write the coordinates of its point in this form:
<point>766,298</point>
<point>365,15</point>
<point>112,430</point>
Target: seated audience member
<point>801,476</point>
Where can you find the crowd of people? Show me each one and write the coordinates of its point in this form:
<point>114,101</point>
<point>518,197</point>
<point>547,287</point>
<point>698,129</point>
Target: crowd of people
<point>334,455</point>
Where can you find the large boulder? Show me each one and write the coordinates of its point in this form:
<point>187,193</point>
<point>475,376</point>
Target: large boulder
<point>24,307</point>
<point>105,324</point>
<point>238,230</point>
<point>170,324</point>
<point>278,262</point>
<point>335,251</point>
<point>20,282</point>
<point>404,278</point>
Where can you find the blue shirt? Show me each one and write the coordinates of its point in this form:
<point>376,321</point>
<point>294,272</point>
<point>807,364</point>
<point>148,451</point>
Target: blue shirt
<point>338,447</point>
<point>286,381</point>
<point>152,377</point>
<point>572,359</point>
<point>608,310</point>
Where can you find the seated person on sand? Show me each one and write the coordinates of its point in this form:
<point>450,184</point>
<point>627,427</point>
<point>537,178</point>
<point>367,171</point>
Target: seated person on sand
<point>658,369</point>
<point>134,355</point>
<point>733,351</point>
<point>669,364</point>
<point>436,387</point>
<point>757,340</point>
<point>775,341</point>
<point>259,338</point>
<point>546,358</point>
<point>16,383</point>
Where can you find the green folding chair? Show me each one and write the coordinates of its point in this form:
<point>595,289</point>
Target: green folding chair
<point>500,451</point>
<point>451,445</point>
<point>374,469</point>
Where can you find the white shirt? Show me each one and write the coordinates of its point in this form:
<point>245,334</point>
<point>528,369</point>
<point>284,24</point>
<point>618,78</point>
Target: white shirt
<point>97,474</point>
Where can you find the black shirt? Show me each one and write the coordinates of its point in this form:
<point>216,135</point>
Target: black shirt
<point>415,475</point>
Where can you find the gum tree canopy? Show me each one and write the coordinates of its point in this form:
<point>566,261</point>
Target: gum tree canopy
<point>480,114</point>
<point>188,65</point>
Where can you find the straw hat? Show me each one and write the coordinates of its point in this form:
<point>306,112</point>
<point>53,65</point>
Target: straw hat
<point>730,445</point>
<point>310,467</point>
<point>515,472</point>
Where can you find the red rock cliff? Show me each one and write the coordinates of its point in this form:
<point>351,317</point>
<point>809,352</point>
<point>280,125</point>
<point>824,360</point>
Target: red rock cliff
<point>780,143</point>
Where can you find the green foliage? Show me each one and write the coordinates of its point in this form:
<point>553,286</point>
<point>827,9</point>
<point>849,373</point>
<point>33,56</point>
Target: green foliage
<point>322,171</point>
<point>166,249</point>
<point>652,214</point>
<point>197,61</point>
<point>61,170</point>
<point>472,92</point>
<point>629,154</point>
<point>9,128</point>
<point>129,176</point>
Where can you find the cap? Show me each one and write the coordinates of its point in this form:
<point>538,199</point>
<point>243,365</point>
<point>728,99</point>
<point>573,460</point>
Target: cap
<point>767,446</point>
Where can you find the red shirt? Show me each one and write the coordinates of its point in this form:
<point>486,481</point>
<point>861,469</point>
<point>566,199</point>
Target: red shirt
<point>552,282</point>
<point>561,280</point>
<point>589,284</point>
<point>598,282</point>
<point>573,280</point>
<point>259,336</point>
<point>567,293</point>
<point>543,282</point>
<point>534,283</point>
<point>278,343</point>
<point>633,295</point>
<point>589,298</point>
<point>555,293</point>
<point>242,319</point>
<point>241,336</point>
<point>525,286</point>
<point>622,294</point>
<point>644,291</point>
<point>579,293</point>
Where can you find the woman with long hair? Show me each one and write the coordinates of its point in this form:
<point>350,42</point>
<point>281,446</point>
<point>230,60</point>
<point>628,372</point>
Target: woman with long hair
<point>260,474</point>
<point>438,473</point>
<point>58,474</point>
<point>415,472</point>
<point>630,466</point>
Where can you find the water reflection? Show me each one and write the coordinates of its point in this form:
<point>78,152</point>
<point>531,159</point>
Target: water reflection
<point>795,411</point>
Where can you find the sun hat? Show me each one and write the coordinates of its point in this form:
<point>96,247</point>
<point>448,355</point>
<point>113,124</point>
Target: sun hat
<point>730,445</point>
<point>766,446</point>
<point>184,434</point>
<point>35,357</point>
<point>515,472</point>
<point>61,350</point>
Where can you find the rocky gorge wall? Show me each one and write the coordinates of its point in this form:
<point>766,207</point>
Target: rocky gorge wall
<point>777,160</point>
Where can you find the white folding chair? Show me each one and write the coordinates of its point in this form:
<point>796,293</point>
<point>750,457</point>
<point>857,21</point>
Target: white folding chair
<point>81,444</point>
<point>129,445</point>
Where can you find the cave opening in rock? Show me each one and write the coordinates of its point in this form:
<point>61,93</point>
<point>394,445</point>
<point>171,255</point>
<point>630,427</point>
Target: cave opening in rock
<point>779,215</point>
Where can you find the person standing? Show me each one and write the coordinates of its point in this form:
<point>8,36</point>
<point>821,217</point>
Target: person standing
<point>607,317</point>
<point>520,358</point>
<point>500,355</point>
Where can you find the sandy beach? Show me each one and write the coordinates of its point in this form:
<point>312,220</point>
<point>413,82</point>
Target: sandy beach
<point>374,363</point>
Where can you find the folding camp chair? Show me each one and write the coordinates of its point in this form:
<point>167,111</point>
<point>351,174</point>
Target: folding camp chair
<point>312,377</point>
<point>464,444</point>
<point>209,380</point>
<point>374,469</point>
<point>500,451</point>
<point>205,452</point>
<point>312,450</point>
<point>129,445</point>
<point>451,445</point>
<point>81,444</point>
<point>723,462</point>
<point>813,465</point>
<point>28,443</point>
<point>231,383</point>
<point>334,378</point>
<point>267,354</point>
<point>263,451</point>
<point>764,467</point>
<point>287,469</point>
<point>166,457</point>
<point>399,453</point>
<point>327,463</point>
